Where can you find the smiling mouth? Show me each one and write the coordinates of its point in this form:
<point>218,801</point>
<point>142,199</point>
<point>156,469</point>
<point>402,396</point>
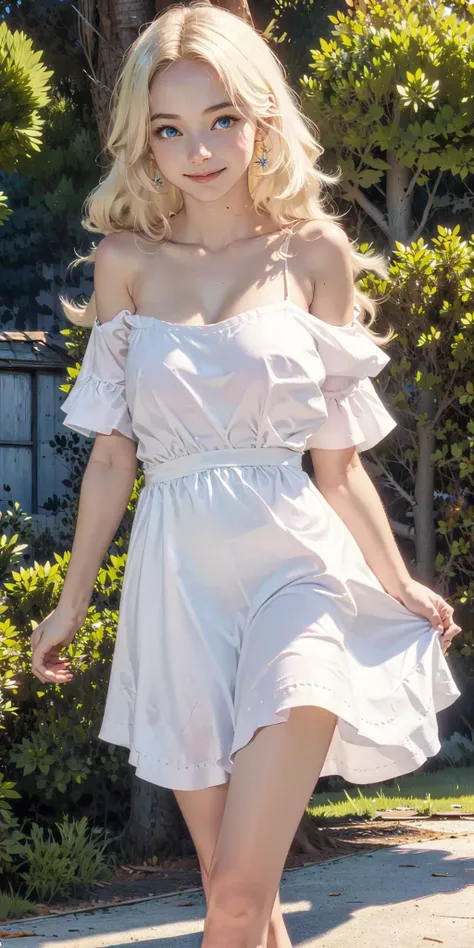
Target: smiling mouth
<point>208,174</point>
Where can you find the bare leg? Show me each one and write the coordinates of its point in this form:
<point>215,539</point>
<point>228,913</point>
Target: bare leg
<point>203,811</point>
<point>272,780</point>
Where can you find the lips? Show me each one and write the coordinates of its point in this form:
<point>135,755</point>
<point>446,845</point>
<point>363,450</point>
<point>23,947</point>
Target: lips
<point>208,174</point>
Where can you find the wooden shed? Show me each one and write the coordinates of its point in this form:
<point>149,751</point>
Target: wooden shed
<point>32,366</point>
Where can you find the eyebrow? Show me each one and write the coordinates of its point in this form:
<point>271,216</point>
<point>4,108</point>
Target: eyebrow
<point>211,108</point>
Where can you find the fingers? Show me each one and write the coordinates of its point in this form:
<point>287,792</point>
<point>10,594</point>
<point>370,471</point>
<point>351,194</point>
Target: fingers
<point>448,635</point>
<point>449,628</point>
<point>54,674</point>
<point>48,666</point>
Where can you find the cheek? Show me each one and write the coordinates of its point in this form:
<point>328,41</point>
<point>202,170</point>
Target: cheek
<point>244,143</point>
<point>158,147</point>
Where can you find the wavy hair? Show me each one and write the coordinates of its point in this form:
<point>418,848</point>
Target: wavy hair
<point>288,188</point>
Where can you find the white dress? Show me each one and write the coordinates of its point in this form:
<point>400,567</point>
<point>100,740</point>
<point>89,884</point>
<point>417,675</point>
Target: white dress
<point>244,593</point>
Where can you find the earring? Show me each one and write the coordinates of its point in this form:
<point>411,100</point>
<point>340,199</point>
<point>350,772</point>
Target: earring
<point>262,161</point>
<point>157,181</point>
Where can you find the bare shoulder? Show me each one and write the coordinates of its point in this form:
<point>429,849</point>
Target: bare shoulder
<point>323,243</point>
<point>114,266</point>
<point>328,259</point>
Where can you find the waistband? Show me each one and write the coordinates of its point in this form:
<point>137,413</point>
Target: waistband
<point>225,457</point>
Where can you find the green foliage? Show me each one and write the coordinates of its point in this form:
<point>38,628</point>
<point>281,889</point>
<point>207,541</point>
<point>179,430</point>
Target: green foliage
<point>24,88</point>
<point>50,748</point>
<point>61,867</point>
<point>294,26</point>
<point>431,306</point>
<point>395,80</point>
<point>52,27</point>
<point>10,551</point>
<point>11,837</point>
<point>35,590</point>
<point>59,753</point>
<point>12,906</point>
<point>47,201</point>
<point>11,841</point>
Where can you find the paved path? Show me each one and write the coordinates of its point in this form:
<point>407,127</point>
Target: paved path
<point>382,904</point>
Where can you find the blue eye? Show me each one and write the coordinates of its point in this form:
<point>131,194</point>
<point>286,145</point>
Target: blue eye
<point>225,118</point>
<point>163,128</point>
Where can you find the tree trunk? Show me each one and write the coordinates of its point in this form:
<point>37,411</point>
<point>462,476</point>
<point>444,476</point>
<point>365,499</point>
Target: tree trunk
<point>119,23</point>
<point>424,493</point>
<point>399,204</point>
<point>156,826</point>
<point>399,210</point>
<point>238,7</point>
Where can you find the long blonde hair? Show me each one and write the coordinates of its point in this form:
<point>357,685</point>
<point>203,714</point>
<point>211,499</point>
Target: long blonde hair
<point>288,188</point>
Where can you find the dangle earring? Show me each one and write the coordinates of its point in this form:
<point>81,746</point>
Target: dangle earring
<point>262,161</point>
<point>157,181</point>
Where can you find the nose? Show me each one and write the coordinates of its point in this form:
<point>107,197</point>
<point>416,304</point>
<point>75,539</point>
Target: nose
<point>199,152</point>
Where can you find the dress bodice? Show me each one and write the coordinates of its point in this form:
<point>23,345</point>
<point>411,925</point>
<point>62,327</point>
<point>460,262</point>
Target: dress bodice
<point>272,376</point>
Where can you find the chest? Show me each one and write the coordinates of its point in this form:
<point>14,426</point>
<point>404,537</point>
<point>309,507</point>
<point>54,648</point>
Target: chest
<point>261,348</point>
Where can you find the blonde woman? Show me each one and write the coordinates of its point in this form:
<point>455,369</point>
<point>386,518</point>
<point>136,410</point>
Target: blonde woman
<point>228,339</point>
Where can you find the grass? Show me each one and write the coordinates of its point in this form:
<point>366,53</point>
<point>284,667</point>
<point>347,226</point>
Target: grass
<point>425,793</point>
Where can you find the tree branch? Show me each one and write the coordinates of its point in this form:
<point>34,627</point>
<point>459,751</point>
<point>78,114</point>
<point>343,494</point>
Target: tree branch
<point>402,530</point>
<point>427,209</point>
<point>358,195</point>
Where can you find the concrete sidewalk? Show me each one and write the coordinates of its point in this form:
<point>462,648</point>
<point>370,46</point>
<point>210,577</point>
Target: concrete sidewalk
<point>388,899</point>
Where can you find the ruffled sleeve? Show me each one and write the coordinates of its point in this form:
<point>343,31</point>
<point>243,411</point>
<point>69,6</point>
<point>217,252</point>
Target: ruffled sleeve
<point>356,416</point>
<point>97,404</point>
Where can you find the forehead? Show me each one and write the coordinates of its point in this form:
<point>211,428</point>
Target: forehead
<point>183,86</point>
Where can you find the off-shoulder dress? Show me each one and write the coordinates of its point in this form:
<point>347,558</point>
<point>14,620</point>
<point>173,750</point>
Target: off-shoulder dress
<point>244,593</point>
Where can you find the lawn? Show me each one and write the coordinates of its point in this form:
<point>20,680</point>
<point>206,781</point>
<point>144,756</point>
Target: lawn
<point>449,789</point>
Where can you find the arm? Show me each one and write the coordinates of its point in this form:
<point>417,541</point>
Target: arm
<point>339,474</point>
<point>105,491</point>
<point>344,482</point>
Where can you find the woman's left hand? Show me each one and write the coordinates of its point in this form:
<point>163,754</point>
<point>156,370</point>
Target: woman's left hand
<point>425,602</point>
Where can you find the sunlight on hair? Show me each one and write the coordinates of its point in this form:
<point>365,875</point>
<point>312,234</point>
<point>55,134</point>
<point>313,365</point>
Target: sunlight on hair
<point>289,188</point>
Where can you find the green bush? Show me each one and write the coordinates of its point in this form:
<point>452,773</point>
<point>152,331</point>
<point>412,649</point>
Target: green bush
<point>11,837</point>
<point>64,866</point>
<point>13,906</point>
<point>50,749</point>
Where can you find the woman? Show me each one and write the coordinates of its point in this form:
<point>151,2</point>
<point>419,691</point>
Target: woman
<point>228,340</point>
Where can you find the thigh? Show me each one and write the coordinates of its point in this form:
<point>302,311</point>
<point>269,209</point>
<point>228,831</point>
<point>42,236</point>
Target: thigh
<point>272,780</point>
<point>202,812</point>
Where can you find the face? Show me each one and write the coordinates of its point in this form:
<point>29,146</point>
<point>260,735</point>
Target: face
<point>195,130</point>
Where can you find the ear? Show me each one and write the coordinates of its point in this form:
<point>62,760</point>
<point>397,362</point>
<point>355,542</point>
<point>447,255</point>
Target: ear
<point>272,109</point>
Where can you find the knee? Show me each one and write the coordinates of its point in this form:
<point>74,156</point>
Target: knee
<point>235,900</point>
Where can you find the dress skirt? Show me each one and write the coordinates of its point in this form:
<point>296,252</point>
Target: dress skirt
<point>245,595</point>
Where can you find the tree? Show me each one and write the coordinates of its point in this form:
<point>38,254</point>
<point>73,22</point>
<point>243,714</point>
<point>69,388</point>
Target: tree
<point>46,190</point>
<point>24,88</point>
<point>392,95</point>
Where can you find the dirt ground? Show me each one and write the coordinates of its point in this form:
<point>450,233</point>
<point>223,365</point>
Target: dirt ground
<point>173,876</point>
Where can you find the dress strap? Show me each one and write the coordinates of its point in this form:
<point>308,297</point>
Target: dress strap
<point>285,247</point>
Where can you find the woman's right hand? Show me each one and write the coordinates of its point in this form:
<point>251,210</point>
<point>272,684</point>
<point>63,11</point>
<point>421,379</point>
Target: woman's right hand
<point>54,633</point>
